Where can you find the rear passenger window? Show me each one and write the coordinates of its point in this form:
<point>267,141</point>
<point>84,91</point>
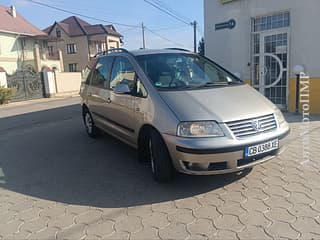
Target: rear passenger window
<point>122,72</point>
<point>88,71</point>
<point>101,72</point>
<point>86,75</point>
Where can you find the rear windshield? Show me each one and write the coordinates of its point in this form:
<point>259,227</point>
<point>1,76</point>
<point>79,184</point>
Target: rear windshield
<point>175,71</point>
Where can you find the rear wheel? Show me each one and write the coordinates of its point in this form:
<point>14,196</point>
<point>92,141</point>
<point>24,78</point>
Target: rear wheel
<point>91,129</point>
<point>161,164</point>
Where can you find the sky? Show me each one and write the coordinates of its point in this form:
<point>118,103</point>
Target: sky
<point>173,33</point>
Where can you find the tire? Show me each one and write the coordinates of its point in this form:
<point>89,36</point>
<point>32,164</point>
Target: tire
<point>143,149</point>
<point>161,163</point>
<point>89,124</point>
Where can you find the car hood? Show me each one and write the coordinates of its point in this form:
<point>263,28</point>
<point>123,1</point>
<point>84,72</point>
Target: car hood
<point>222,104</point>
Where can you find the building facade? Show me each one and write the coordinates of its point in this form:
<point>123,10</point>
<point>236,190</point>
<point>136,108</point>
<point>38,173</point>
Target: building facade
<point>79,41</point>
<point>263,41</point>
<point>22,45</point>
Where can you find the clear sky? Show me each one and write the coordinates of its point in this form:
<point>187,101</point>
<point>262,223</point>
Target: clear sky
<point>131,12</point>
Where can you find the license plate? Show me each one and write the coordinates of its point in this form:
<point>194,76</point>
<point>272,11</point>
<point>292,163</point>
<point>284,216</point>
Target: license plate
<point>261,148</point>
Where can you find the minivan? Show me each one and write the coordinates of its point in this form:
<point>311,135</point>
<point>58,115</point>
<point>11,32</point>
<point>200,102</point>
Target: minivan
<point>181,111</point>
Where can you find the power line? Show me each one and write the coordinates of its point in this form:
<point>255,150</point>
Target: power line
<point>171,10</point>
<point>159,5</point>
<point>164,38</point>
<point>167,12</point>
<point>168,8</point>
<point>130,29</point>
<point>79,14</point>
<point>170,28</point>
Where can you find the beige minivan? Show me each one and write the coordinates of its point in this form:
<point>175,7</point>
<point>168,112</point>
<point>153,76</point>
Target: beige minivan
<point>181,111</point>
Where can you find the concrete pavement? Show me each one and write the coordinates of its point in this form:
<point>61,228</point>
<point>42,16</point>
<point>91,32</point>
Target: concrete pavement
<point>56,183</point>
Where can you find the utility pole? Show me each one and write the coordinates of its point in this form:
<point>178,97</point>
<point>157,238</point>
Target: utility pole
<point>194,24</point>
<point>143,37</point>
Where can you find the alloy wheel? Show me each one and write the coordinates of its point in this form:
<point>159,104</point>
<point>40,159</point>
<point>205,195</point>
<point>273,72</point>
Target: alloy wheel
<point>89,123</point>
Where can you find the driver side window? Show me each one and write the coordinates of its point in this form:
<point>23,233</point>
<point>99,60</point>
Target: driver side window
<point>122,72</point>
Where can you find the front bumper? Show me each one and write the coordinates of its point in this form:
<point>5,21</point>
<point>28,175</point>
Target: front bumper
<point>207,156</point>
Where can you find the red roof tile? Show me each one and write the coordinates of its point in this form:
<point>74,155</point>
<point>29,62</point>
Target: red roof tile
<point>18,24</point>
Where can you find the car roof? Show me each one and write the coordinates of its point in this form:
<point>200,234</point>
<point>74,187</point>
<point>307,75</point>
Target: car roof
<point>141,52</point>
<point>158,51</point>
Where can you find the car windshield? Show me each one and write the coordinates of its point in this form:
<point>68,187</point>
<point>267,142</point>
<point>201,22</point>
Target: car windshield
<point>176,71</point>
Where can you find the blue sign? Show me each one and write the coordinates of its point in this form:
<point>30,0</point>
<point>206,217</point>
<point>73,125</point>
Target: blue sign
<point>226,25</point>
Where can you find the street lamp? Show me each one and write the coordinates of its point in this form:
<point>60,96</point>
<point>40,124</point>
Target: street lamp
<point>298,70</point>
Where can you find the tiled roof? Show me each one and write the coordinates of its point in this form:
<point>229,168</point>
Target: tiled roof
<point>18,24</point>
<point>74,26</point>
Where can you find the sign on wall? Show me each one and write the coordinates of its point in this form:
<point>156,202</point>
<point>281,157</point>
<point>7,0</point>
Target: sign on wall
<point>226,25</point>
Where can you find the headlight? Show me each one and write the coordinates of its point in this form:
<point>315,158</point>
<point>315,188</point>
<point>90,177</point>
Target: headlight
<point>279,116</point>
<point>199,129</point>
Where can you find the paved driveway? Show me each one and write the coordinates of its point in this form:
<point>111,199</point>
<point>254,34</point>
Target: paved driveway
<point>55,182</point>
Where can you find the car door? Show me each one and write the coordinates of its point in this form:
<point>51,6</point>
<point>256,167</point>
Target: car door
<point>121,106</point>
<point>99,93</point>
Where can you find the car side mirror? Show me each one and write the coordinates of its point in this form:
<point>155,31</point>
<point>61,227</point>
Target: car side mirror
<point>122,88</point>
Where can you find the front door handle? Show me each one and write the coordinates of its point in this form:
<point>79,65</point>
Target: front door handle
<point>108,100</point>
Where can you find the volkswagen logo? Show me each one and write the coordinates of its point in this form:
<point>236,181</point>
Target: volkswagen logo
<point>256,125</point>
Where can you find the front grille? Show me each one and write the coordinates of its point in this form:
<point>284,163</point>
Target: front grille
<point>253,126</point>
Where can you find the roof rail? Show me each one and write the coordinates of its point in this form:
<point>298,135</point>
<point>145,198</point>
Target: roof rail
<point>111,51</point>
<point>180,49</point>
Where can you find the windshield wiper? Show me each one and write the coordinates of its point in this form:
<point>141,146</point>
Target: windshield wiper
<point>212,84</point>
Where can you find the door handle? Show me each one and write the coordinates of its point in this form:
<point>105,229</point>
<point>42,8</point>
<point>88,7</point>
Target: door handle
<point>108,100</point>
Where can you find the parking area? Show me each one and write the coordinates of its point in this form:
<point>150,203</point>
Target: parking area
<point>56,183</point>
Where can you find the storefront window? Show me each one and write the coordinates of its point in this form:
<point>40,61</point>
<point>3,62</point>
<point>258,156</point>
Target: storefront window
<point>275,21</point>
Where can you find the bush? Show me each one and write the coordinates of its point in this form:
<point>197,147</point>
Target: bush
<point>6,94</point>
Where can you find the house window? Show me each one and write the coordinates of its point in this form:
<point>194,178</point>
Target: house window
<point>51,51</point>
<point>73,67</point>
<point>58,33</point>
<point>274,21</point>
<point>98,48</point>
<point>71,48</point>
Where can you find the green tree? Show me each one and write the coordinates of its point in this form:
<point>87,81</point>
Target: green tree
<point>201,47</point>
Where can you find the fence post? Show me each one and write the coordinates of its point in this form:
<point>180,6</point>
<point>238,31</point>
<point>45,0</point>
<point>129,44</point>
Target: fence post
<point>3,78</point>
<point>49,82</point>
<point>61,60</point>
<point>37,58</point>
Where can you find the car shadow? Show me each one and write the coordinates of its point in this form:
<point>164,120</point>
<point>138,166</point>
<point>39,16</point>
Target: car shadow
<point>52,158</point>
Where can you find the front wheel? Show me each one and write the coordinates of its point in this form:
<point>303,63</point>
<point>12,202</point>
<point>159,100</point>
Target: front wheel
<point>161,164</point>
<point>91,129</point>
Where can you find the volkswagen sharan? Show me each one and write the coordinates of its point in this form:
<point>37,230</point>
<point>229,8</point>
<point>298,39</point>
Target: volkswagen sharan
<point>181,111</point>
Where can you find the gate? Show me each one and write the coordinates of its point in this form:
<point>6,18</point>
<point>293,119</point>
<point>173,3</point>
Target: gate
<point>28,84</point>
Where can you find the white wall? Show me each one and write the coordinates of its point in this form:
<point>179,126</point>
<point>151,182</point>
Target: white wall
<point>231,48</point>
<point>3,79</point>
<point>67,82</point>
